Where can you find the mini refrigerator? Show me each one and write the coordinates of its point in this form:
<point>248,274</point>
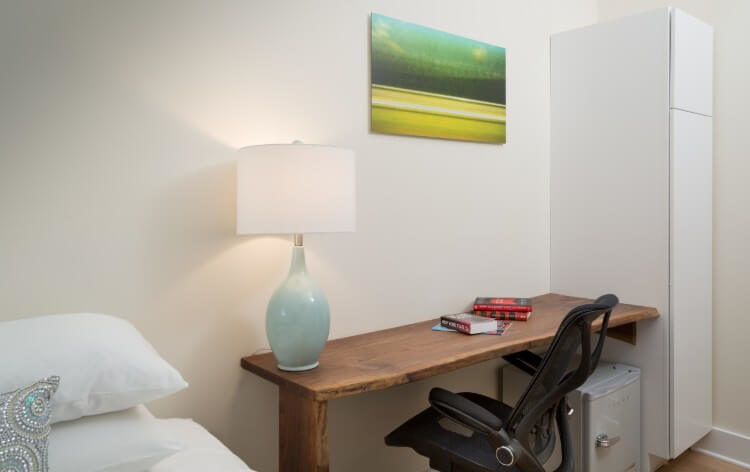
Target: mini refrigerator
<point>606,418</point>
<point>605,422</point>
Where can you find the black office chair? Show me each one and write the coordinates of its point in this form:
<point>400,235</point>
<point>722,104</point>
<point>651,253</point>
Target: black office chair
<point>519,439</point>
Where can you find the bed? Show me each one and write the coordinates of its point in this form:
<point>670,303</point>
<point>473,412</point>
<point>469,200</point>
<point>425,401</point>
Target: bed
<point>75,402</point>
<point>202,451</point>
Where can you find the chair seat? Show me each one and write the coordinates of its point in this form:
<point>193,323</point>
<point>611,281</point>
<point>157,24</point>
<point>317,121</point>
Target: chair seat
<point>444,447</point>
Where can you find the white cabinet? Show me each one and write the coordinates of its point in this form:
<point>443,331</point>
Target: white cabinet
<point>631,202</point>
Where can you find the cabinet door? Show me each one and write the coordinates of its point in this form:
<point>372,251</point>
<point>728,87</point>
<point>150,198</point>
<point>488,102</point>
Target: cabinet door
<point>691,278</point>
<point>691,63</point>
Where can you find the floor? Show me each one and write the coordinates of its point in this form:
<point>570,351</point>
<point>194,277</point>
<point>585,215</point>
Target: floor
<point>692,462</point>
<point>695,462</point>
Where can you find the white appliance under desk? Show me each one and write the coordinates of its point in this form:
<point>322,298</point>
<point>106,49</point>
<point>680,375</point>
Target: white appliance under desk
<point>631,198</point>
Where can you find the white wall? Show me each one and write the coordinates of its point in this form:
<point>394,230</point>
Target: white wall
<point>118,132</point>
<point>731,197</point>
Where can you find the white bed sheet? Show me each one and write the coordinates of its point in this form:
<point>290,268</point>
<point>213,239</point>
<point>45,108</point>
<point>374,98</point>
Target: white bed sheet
<point>202,451</point>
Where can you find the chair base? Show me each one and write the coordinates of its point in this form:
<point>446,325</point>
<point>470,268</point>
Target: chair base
<point>448,450</point>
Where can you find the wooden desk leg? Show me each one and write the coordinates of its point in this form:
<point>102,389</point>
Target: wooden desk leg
<point>303,433</point>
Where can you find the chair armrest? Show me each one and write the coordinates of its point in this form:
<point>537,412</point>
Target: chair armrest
<point>527,361</point>
<point>465,412</point>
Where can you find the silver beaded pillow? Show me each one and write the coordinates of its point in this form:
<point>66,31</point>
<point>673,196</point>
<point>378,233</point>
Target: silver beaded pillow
<point>24,427</point>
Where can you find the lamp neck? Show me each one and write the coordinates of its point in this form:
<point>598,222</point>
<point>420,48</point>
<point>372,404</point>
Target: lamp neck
<point>298,261</point>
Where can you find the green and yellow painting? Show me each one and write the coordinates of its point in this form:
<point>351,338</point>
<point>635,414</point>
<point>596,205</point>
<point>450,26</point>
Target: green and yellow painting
<point>431,83</point>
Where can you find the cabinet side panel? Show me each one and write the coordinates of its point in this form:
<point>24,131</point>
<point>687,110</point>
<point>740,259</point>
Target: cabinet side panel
<point>610,187</point>
<point>692,319</point>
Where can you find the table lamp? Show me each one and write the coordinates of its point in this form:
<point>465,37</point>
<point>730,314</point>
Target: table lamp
<point>295,189</point>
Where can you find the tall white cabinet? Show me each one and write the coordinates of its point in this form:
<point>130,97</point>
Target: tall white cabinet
<point>631,197</point>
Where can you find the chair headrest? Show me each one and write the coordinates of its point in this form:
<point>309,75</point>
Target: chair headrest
<point>609,300</point>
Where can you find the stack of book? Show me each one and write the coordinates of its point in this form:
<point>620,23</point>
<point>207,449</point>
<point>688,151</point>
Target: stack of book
<point>506,309</point>
<point>491,315</point>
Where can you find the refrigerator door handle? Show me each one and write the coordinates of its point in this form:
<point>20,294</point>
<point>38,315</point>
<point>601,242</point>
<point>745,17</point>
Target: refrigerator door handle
<point>603,440</point>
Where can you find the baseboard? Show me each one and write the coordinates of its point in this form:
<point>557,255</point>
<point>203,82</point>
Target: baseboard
<point>727,446</point>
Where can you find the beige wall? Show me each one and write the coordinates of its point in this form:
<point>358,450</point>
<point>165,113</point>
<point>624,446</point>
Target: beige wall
<point>118,132</point>
<point>731,199</point>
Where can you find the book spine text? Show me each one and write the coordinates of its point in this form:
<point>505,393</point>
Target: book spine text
<point>505,315</point>
<point>517,308</point>
<point>458,326</point>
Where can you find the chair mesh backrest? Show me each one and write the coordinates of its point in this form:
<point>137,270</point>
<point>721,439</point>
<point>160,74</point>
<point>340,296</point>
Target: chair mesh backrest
<point>559,373</point>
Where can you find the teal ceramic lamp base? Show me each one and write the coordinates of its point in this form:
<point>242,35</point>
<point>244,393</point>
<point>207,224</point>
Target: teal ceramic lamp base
<point>300,368</point>
<point>298,318</point>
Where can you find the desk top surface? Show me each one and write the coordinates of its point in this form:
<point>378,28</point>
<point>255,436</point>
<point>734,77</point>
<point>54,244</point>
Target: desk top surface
<point>396,356</point>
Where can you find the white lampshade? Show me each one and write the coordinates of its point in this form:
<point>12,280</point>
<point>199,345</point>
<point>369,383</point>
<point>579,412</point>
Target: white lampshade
<point>295,188</point>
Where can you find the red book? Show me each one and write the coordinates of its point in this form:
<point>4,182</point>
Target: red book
<point>502,304</point>
<point>467,323</point>
<point>505,315</point>
<point>523,309</point>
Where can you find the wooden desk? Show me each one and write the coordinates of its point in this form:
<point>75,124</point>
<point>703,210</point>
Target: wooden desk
<point>396,356</point>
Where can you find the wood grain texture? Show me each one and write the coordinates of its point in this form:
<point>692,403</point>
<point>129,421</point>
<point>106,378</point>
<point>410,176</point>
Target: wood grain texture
<point>303,433</point>
<point>692,461</point>
<point>397,356</point>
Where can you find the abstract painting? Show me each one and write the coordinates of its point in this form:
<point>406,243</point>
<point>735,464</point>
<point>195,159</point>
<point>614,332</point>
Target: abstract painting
<point>427,82</point>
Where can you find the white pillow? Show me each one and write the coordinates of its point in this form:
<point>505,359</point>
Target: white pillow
<point>104,363</point>
<point>126,441</point>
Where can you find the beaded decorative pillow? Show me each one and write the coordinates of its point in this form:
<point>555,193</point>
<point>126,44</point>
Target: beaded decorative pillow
<point>24,427</point>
